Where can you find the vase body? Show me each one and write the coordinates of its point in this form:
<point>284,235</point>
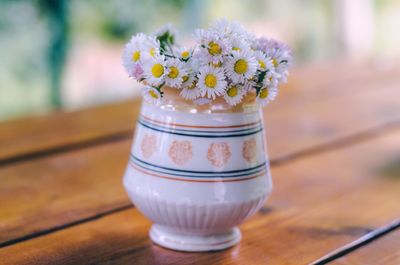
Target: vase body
<point>198,174</point>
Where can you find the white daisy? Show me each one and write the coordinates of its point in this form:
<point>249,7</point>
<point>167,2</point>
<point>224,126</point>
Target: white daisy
<point>151,47</point>
<point>188,79</point>
<point>241,66</point>
<point>175,72</point>
<point>252,38</point>
<point>194,63</point>
<point>281,61</point>
<point>264,62</point>
<point>136,49</point>
<point>212,49</point>
<point>154,70</point>
<point>227,61</point>
<point>190,90</point>
<point>234,94</point>
<point>228,29</point>
<point>151,95</point>
<point>271,78</point>
<point>182,53</point>
<point>234,33</point>
<point>239,44</point>
<point>280,55</point>
<point>132,52</point>
<point>268,78</point>
<point>249,85</point>
<point>211,82</point>
<point>266,95</point>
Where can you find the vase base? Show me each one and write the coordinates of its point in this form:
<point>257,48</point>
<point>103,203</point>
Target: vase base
<point>194,243</point>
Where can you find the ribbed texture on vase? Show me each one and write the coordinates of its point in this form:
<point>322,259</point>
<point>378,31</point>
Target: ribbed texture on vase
<point>197,219</point>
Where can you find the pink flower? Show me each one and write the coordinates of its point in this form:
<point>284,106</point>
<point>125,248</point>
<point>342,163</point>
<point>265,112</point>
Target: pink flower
<point>137,71</point>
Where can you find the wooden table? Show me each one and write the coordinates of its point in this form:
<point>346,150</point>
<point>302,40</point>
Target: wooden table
<point>334,143</point>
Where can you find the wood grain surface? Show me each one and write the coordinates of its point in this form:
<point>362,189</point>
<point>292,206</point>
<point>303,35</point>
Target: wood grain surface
<point>334,143</point>
<point>35,136</point>
<point>43,194</point>
<point>320,202</point>
<point>87,173</point>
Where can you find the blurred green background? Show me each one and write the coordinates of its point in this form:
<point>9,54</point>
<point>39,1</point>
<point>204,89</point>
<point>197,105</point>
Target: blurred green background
<point>67,54</point>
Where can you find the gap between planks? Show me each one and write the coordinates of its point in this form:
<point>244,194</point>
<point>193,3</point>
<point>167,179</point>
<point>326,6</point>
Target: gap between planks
<point>64,226</point>
<point>322,148</point>
<point>123,135</point>
<point>338,143</point>
<point>358,243</point>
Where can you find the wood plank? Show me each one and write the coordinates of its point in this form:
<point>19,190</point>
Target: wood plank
<point>320,203</point>
<point>295,129</point>
<point>31,137</point>
<point>43,194</point>
<point>299,127</point>
<point>385,250</point>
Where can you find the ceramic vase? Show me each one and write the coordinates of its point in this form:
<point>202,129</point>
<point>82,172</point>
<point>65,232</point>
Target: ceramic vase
<point>198,171</point>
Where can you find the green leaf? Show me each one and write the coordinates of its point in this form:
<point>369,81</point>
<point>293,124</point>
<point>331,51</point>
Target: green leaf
<point>166,39</point>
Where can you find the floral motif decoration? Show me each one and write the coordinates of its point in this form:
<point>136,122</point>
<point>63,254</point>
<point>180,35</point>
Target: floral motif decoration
<point>218,154</point>
<point>148,145</point>
<point>180,152</point>
<point>249,150</point>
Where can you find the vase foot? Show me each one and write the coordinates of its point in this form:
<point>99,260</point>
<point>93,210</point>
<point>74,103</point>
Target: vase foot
<point>196,243</point>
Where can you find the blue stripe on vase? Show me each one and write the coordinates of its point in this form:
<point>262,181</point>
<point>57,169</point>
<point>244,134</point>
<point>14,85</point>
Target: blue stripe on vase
<point>173,128</point>
<point>203,174</point>
<point>251,132</point>
<point>198,132</point>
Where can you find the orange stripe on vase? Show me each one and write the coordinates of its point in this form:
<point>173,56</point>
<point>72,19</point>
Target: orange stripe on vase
<point>194,180</point>
<point>199,126</point>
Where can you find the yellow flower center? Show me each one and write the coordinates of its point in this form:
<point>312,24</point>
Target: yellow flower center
<point>232,91</point>
<point>264,93</point>
<point>214,48</point>
<point>173,72</point>
<point>157,70</point>
<point>261,63</point>
<point>210,80</point>
<point>236,48</point>
<point>219,64</point>
<point>153,94</point>
<point>240,66</point>
<point>136,56</point>
<point>185,54</point>
<point>275,62</point>
<point>185,78</point>
<point>152,52</point>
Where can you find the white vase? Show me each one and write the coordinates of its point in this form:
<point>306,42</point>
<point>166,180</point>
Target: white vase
<point>198,172</point>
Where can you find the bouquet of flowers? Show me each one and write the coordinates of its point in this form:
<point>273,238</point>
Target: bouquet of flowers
<point>226,61</point>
